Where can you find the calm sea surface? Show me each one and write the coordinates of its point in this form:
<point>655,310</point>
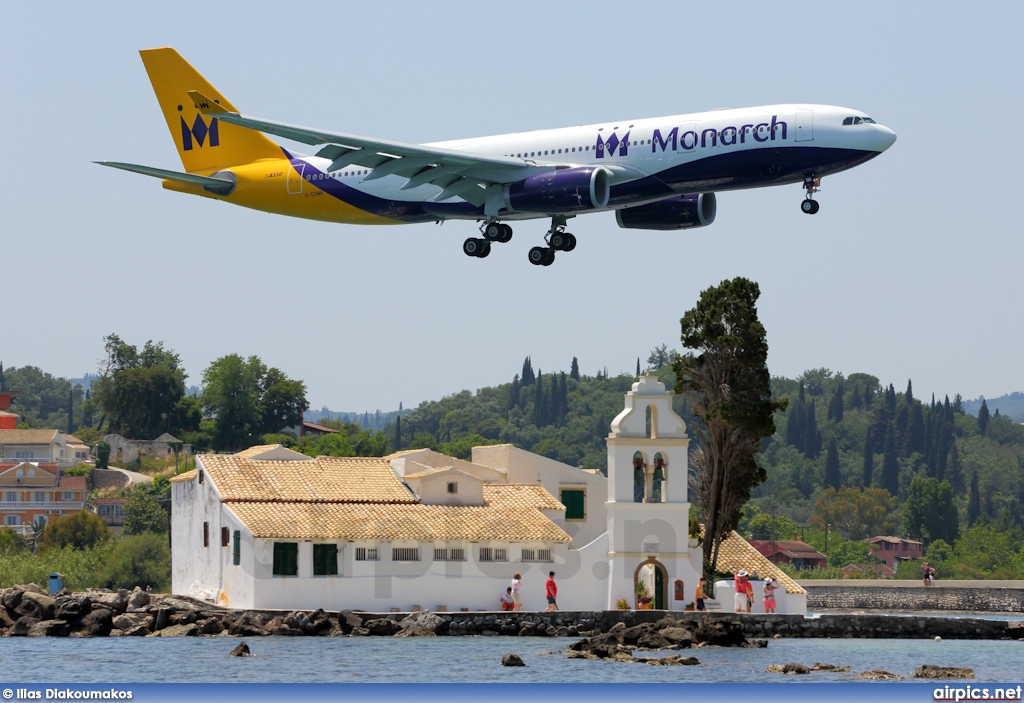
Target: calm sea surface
<point>469,659</point>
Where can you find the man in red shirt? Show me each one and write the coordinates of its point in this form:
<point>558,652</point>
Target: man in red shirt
<point>551,589</point>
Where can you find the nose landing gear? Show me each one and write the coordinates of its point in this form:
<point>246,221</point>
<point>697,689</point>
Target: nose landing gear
<point>809,206</point>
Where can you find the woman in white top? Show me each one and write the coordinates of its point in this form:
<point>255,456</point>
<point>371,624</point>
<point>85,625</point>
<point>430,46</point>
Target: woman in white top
<point>517,582</point>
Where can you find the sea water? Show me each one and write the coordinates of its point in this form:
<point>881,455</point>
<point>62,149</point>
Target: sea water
<point>471,659</point>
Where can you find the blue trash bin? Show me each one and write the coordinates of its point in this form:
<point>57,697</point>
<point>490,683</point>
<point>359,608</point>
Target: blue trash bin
<point>56,583</point>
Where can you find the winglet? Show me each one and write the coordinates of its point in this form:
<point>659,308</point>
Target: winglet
<point>205,105</point>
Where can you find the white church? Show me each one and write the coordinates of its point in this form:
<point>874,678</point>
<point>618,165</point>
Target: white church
<point>271,528</point>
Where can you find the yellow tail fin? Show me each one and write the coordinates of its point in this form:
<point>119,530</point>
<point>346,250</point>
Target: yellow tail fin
<point>204,143</point>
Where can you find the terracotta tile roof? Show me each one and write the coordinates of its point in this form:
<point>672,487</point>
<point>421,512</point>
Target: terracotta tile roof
<point>736,553</point>
<point>28,436</point>
<point>256,451</point>
<point>514,495</point>
<point>181,478</point>
<point>321,480</point>
<point>318,428</point>
<point>72,483</point>
<point>404,452</point>
<point>429,472</point>
<point>791,548</point>
<point>417,522</point>
<point>71,439</point>
<point>887,538</point>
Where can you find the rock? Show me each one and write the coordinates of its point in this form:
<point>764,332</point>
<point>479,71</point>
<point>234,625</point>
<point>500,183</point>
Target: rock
<point>243,626</point>
<point>71,607</point>
<point>50,628</point>
<point>117,602</point>
<point>298,620</point>
<point>348,621</point>
<point>186,618</point>
<point>381,627</point>
<point>321,622</point>
<point>11,597</point>
<point>720,633</point>
<point>818,666</point>
<point>673,660</point>
<point>422,624</point>
<point>6,620</point>
<point>209,626</point>
<point>878,675</point>
<point>128,621</point>
<point>512,660</point>
<point>528,630</point>
<point>189,630</point>
<point>161,618</point>
<point>96,623</point>
<point>678,636</point>
<point>22,627</point>
<point>241,650</point>
<point>137,631</point>
<point>278,627</point>
<point>790,668</point>
<point>138,598</point>
<point>929,671</point>
<point>36,605</point>
<point>177,603</point>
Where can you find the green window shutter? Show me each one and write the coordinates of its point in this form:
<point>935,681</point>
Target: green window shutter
<point>325,560</point>
<point>286,559</point>
<point>575,503</point>
<point>236,556</point>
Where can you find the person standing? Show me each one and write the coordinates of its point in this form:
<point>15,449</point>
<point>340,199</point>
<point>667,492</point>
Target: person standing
<point>927,573</point>
<point>517,583</point>
<point>551,590</point>
<point>748,591</point>
<point>699,596</point>
<point>770,585</point>
<point>740,591</point>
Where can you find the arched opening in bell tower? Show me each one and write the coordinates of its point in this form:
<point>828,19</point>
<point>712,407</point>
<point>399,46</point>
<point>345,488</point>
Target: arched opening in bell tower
<point>658,478</point>
<point>652,421</point>
<point>639,477</point>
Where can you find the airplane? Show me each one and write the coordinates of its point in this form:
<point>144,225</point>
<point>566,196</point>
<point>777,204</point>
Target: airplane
<point>657,173</point>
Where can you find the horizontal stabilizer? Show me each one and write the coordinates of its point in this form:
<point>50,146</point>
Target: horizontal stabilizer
<point>219,185</point>
<point>206,105</point>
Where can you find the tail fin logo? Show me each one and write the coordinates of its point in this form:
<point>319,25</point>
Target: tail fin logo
<point>199,131</point>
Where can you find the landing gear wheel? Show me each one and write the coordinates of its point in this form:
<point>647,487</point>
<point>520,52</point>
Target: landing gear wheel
<point>558,241</point>
<point>809,207</point>
<point>476,247</point>
<point>570,242</point>
<point>493,231</point>
<point>541,256</point>
<point>506,234</point>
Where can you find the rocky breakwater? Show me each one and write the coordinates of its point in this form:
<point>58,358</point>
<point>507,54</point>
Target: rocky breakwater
<point>620,642</point>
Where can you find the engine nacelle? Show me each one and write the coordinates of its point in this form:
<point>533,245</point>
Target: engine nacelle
<point>680,212</point>
<point>563,190</point>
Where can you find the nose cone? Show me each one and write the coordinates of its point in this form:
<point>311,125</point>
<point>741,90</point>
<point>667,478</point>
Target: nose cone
<point>883,138</point>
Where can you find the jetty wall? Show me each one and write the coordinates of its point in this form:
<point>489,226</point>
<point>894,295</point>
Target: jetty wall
<point>890,595</point>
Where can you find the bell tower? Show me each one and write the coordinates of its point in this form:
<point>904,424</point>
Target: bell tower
<point>648,507</point>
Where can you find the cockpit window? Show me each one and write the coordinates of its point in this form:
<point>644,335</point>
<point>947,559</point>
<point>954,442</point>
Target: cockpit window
<point>858,120</point>
<point>848,121</point>
<point>869,120</point>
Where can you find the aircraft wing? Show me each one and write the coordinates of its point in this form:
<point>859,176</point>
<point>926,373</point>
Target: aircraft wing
<point>457,173</point>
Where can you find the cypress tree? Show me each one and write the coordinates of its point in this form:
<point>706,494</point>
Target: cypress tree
<point>1,375</point>
<point>869,395</point>
<point>812,437</point>
<point>574,370</point>
<point>87,411</point>
<point>538,400</point>
<point>795,425</point>
<point>890,399</point>
<point>983,419</point>
<point>958,404</point>
<point>869,459</point>
<point>563,396</point>
<point>801,391</point>
<point>832,465</point>
<point>910,392</point>
<point>947,411</point>
<point>915,430</point>
<point>890,465</point>
<point>855,399</point>
<point>71,411</point>
<point>974,502</point>
<point>956,470</point>
<point>527,375</point>
<point>941,454</point>
<point>638,366</point>
<point>835,406</point>
<point>399,406</point>
<point>513,393</point>
<point>398,433</point>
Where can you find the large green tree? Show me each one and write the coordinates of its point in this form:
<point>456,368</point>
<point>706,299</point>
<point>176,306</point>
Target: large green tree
<point>139,390</point>
<point>727,383</point>
<point>80,530</point>
<point>247,400</point>
<point>930,513</point>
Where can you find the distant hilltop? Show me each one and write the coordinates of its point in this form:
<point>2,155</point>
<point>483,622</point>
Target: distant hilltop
<point>1011,405</point>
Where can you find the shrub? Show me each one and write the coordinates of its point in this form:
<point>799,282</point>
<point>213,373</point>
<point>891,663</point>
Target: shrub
<point>139,560</point>
<point>79,531</point>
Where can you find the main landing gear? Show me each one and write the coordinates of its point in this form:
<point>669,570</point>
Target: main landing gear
<point>812,185</point>
<point>557,239</point>
<point>492,231</point>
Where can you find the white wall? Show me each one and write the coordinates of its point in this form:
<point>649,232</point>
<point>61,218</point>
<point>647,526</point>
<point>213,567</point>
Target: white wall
<point>195,568</point>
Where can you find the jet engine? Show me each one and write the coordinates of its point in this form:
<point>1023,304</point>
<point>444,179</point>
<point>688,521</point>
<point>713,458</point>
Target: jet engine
<point>680,212</point>
<point>562,190</point>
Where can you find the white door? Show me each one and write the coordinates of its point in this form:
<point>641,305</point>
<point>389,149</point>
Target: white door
<point>804,126</point>
<point>295,178</point>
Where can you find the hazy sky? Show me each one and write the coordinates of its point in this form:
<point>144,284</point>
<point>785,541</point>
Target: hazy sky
<point>912,268</point>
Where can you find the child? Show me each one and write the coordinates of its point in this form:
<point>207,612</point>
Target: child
<point>506,599</point>
<point>770,585</point>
